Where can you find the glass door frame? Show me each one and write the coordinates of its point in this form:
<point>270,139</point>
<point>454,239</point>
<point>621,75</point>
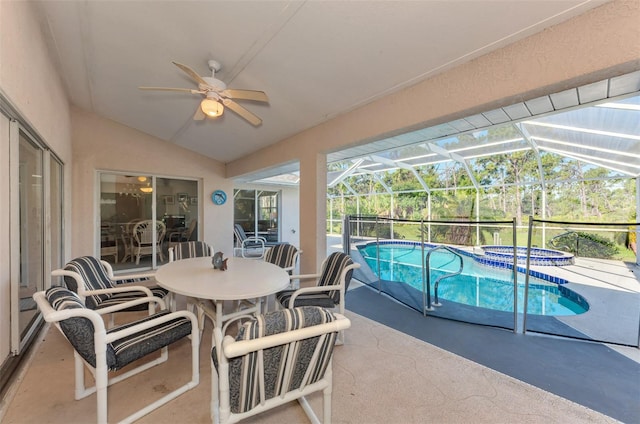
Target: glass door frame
<point>19,339</point>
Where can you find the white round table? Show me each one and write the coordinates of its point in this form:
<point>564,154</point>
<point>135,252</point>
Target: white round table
<point>243,279</point>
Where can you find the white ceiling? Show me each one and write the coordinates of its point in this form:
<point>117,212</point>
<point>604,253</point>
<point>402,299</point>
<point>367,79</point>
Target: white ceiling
<point>314,59</point>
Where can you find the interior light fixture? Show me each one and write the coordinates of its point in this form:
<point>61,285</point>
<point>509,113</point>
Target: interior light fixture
<point>142,179</point>
<point>211,108</point>
<point>147,189</point>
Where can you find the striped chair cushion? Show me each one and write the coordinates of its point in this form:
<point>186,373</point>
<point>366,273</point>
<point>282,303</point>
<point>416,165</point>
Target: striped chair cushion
<point>191,249</point>
<point>281,255</point>
<point>243,371</point>
<point>335,264</point>
<point>333,267</point>
<point>95,277</point>
<point>137,345</point>
<point>78,330</point>
<point>305,299</point>
<point>80,333</point>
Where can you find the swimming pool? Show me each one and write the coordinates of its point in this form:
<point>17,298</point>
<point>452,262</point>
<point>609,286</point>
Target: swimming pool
<point>478,285</point>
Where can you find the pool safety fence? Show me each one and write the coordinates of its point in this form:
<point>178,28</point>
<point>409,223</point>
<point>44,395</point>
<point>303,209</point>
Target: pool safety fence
<point>568,279</point>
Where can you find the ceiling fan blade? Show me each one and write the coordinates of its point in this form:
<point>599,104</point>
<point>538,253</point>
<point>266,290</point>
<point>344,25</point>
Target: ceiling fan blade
<point>258,96</point>
<point>244,113</point>
<point>193,74</point>
<point>199,115</point>
<point>186,90</point>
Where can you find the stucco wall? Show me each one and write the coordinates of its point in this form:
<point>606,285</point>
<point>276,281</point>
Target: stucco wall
<point>102,144</point>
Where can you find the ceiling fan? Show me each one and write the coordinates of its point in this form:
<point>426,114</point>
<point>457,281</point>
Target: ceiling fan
<point>217,95</point>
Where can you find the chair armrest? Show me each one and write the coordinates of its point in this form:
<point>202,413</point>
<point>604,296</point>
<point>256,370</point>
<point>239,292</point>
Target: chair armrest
<point>51,315</point>
<point>120,289</point>
<point>118,334</point>
<point>121,277</point>
<point>116,278</point>
<point>255,240</point>
<point>258,243</point>
<point>131,303</point>
<point>123,289</point>
<point>175,235</point>
<point>234,348</point>
<point>305,276</point>
<point>314,289</point>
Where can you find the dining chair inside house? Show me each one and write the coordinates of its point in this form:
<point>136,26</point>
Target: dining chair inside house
<point>147,237</point>
<point>250,246</point>
<point>108,241</point>
<point>329,287</point>
<point>276,358</point>
<point>103,350</point>
<point>126,237</point>
<point>99,289</point>
<point>181,235</point>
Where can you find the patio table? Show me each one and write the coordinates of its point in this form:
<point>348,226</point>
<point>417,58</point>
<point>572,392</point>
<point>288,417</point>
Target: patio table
<point>242,280</point>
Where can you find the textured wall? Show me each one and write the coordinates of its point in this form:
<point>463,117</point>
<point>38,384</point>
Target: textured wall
<point>102,144</point>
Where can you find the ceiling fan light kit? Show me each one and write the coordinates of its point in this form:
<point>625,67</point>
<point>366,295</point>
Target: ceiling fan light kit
<point>211,108</point>
<point>216,95</point>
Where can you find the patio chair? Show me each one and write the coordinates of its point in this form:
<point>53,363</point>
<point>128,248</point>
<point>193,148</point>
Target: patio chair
<point>329,291</point>
<point>94,282</point>
<point>250,247</point>
<point>186,250</point>
<point>276,358</point>
<point>103,350</point>
<point>284,255</point>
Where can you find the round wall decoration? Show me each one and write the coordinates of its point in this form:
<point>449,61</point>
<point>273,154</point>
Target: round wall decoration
<point>218,197</point>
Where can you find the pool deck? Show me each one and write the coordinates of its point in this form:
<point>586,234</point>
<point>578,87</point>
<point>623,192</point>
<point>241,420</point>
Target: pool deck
<point>612,289</point>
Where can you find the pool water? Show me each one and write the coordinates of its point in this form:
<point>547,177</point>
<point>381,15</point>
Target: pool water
<point>478,285</point>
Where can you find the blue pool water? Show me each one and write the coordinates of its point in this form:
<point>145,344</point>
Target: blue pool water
<point>478,285</point>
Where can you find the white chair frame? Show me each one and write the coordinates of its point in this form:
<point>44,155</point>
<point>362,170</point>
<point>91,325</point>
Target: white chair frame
<point>319,289</point>
<point>102,338</point>
<point>296,258</point>
<point>83,290</point>
<point>241,244</point>
<point>143,240</point>
<point>228,348</point>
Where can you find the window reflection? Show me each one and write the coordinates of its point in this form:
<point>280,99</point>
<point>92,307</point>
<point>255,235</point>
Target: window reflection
<point>142,216</point>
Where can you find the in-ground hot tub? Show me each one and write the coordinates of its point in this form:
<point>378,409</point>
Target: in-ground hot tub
<point>539,256</point>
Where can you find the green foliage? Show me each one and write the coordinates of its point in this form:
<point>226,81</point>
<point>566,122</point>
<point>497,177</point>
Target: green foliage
<point>585,245</point>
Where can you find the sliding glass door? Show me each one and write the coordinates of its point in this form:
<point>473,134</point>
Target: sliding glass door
<point>257,212</point>
<point>31,215</point>
<point>142,216</point>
